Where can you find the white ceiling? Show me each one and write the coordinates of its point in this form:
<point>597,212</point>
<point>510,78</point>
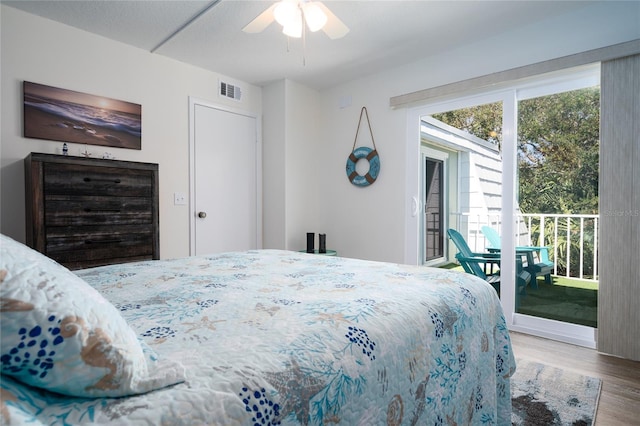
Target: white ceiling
<point>383,34</point>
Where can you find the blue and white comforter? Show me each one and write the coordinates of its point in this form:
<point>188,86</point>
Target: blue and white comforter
<point>273,337</point>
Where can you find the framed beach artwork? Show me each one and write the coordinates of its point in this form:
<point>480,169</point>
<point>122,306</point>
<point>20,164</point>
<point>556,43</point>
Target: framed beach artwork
<point>64,115</point>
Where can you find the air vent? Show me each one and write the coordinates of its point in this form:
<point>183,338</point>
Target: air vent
<point>230,91</point>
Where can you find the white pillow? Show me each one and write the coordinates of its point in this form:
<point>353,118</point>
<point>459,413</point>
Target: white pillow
<point>60,334</point>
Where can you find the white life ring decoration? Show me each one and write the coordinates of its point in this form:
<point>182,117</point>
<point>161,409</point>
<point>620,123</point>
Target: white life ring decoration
<point>363,152</point>
<point>371,155</point>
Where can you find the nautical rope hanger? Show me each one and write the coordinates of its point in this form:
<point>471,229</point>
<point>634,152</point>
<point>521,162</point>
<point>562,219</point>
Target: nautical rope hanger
<point>371,155</point>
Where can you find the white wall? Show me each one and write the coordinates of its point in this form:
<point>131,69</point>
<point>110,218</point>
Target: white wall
<point>42,51</point>
<point>273,166</point>
<point>304,172</point>
<point>363,222</point>
<point>291,141</point>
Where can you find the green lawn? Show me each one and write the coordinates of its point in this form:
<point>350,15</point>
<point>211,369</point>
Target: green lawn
<point>566,299</point>
<point>575,283</point>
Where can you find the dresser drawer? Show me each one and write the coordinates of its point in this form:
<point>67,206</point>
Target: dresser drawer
<point>90,243</point>
<point>70,210</point>
<point>74,179</point>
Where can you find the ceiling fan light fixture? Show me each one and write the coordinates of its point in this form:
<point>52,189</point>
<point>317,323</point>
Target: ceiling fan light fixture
<point>314,16</point>
<point>286,12</point>
<point>296,16</point>
<point>293,28</point>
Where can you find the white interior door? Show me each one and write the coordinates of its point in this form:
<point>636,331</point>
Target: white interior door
<point>225,167</point>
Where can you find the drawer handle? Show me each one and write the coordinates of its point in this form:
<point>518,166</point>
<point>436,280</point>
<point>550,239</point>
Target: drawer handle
<point>88,210</point>
<point>102,241</point>
<point>102,180</point>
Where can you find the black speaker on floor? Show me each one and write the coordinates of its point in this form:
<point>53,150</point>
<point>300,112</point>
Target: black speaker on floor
<point>311,236</point>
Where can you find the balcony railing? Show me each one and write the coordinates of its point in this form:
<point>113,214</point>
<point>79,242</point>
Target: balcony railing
<point>572,238</point>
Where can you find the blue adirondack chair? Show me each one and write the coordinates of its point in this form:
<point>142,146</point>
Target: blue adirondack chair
<point>471,261</point>
<point>537,267</point>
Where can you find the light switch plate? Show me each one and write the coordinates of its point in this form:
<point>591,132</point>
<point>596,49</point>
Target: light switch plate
<point>179,199</point>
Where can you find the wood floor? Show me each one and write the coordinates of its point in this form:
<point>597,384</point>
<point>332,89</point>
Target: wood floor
<point>620,396</point>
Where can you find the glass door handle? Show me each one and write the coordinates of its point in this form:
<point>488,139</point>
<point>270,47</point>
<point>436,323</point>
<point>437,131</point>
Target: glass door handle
<point>415,206</point>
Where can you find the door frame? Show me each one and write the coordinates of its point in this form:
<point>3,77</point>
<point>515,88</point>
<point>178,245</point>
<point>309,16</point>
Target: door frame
<point>193,102</point>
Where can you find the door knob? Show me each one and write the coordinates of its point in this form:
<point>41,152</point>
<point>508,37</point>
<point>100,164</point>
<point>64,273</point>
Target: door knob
<point>202,215</point>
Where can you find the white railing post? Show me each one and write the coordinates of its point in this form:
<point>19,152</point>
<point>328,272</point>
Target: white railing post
<point>581,247</point>
<point>568,260</point>
<point>595,248</point>
<point>555,244</point>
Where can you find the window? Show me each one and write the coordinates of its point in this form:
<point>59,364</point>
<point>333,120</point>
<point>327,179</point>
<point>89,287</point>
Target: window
<point>434,209</point>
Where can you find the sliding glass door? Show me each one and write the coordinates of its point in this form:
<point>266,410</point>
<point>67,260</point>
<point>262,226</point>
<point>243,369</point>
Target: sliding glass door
<point>547,156</point>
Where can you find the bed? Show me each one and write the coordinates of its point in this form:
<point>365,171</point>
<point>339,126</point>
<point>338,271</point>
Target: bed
<point>263,337</point>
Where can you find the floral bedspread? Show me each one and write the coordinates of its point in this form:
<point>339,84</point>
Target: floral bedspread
<point>273,337</point>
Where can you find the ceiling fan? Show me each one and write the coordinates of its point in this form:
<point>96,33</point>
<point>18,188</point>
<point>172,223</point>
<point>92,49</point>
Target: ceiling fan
<point>296,15</point>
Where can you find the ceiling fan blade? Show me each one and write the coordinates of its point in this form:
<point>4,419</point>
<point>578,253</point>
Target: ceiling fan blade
<point>334,28</point>
<point>261,22</point>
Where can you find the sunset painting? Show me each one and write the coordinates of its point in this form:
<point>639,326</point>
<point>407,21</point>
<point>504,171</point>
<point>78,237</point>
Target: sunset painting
<point>64,115</point>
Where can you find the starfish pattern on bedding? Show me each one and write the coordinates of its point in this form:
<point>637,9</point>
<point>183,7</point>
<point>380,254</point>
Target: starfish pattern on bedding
<point>297,390</point>
<point>205,322</point>
<point>448,317</point>
<point>333,318</point>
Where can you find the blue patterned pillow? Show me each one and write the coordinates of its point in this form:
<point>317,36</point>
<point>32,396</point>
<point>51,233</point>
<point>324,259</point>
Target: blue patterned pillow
<point>60,334</point>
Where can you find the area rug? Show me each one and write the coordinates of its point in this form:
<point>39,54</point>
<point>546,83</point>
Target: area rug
<point>544,395</point>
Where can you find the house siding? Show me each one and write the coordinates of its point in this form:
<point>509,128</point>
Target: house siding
<point>479,179</point>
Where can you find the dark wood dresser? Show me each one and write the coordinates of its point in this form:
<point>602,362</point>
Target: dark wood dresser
<point>85,212</point>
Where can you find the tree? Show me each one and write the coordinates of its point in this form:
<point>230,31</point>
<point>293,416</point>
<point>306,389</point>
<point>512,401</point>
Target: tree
<point>558,152</point>
<point>484,121</point>
<point>558,148</point>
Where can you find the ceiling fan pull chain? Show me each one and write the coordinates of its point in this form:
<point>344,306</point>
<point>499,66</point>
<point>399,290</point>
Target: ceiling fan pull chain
<point>304,42</point>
